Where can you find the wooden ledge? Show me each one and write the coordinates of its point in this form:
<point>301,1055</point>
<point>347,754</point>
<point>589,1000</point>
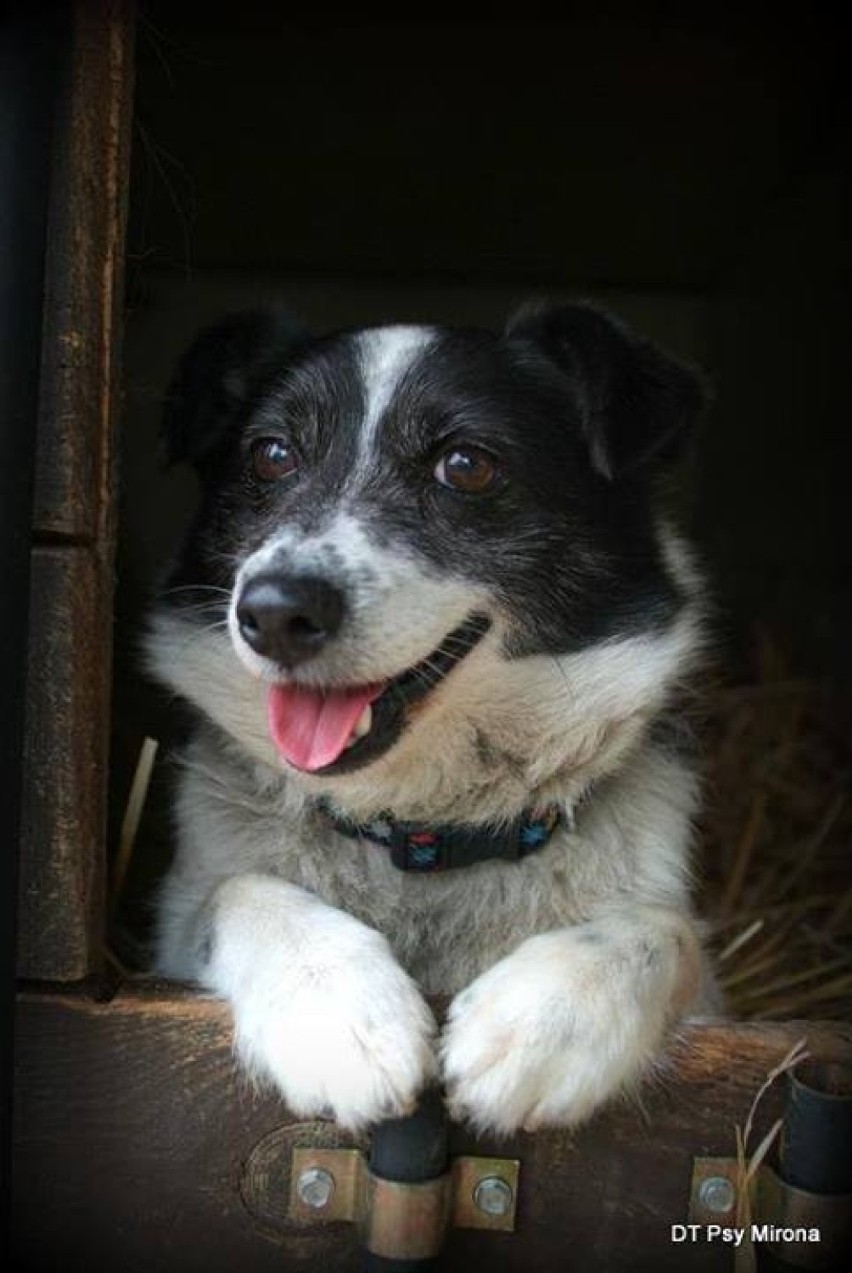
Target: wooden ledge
<point>134,1127</point>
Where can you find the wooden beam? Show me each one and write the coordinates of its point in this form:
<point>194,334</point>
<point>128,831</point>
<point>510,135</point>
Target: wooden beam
<point>61,906</point>
<point>74,495</point>
<point>68,688</point>
<point>135,1133</point>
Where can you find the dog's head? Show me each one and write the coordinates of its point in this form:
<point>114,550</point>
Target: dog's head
<point>427,563</point>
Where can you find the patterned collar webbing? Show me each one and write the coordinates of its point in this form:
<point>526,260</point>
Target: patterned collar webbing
<point>425,848</point>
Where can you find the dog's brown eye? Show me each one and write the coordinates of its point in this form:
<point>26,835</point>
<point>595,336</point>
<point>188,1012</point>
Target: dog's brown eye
<point>467,470</point>
<point>272,459</point>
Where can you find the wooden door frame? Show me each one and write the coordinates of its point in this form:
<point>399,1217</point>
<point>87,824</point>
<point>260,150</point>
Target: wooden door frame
<point>63,861</point>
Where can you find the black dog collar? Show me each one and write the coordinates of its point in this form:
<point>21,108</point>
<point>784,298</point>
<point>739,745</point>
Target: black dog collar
<point>424,848</point>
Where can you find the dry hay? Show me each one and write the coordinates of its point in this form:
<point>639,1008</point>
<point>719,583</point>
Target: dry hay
<point>775,843</point>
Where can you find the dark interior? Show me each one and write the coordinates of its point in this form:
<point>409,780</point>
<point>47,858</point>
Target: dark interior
<point>687,166</point>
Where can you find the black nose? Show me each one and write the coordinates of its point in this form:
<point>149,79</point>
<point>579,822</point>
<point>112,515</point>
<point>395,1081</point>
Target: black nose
<point>289,618</point>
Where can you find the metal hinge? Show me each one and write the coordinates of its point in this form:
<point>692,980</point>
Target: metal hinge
<point>297,1185</point>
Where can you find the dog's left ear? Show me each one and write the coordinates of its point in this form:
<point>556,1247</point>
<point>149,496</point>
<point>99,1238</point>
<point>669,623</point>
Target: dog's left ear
<point>637,403</point>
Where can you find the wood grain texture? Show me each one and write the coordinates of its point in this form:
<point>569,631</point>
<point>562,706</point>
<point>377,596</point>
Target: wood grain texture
<point>134,1131</point>
<point>61,895</point>
<point>68,686</point>
<point>74,493</point>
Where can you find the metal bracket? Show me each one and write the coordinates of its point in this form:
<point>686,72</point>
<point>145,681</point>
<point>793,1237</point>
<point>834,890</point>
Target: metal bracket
<point>786,1219</point>
<point>303,1180</point>
<point>397,1220</point>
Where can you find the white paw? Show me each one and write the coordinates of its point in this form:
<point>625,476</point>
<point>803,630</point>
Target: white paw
<point>559,1026</point>
<point>355,1044</point>
<point>327,1015</point>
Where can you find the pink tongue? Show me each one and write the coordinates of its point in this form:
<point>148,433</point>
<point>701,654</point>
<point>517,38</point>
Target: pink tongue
<point>311,728</point>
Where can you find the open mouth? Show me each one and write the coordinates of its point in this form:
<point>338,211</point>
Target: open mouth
<point>335,731</point>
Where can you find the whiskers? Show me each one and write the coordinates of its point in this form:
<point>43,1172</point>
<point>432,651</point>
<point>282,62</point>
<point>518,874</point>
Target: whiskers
<point>197,632</point>
<point>193,589</point>
<point>200,602</point>
<point>454,647</point>
<point>199,609</point>
<point>557,663</point>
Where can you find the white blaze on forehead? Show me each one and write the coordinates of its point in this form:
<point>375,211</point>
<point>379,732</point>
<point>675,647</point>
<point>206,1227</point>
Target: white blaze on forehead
<point>386,355</point>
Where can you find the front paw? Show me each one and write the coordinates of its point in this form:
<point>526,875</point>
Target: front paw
<point>559,1026</point>
<point>332,1021</point>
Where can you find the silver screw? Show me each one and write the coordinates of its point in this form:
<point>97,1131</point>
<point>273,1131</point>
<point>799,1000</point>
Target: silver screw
<point>315,1188</point>
<point>493,1196</point>
<point>717,1194</point>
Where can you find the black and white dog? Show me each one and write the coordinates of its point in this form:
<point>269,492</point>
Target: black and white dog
<point>432,617</point>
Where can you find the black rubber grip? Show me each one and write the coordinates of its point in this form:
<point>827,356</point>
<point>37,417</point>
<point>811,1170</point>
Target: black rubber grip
<point>816,1141</point>
<point>413,1148</point>
<point>408,1150</point>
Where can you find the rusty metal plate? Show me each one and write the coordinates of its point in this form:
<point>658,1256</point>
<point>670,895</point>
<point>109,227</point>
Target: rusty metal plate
<point>806,1230</point>
<point>706,1204</point>
<point>405,1221</point>
<point>485,1193</point>
<point>332,1183</point>
<point>326,1185</point>
<point>787,1211</point>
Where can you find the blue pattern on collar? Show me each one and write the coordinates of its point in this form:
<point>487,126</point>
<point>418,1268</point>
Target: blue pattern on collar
<point>427,849</point>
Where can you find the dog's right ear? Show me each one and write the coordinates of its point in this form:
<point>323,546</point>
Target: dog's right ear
<point>217,377</point>
<point>637,403</point>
